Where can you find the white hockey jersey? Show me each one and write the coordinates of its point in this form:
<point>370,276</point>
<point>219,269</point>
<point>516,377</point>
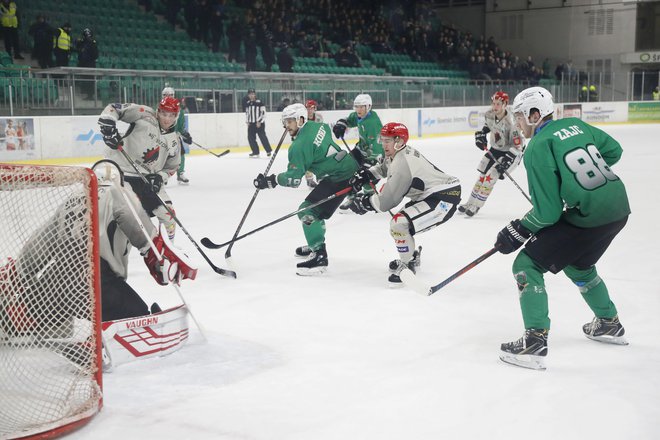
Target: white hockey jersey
<point>119,230</point>
<point>409,174</point>
<point>503,132</point>
<point>154,150</point>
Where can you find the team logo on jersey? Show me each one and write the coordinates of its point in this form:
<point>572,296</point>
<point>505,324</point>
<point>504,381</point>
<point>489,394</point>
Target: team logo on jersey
<point>516,141</point>
<point>150,155</point>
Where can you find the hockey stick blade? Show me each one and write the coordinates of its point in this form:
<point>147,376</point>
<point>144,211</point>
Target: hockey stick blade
<point>411,280</point>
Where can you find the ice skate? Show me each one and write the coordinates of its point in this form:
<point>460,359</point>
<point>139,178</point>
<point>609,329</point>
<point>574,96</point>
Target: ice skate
<point>303,251</point>
<point>605,330</point>
<point>182,179</point>
<point>344,208</point>
<point>528,351</point>
<point>471,211</point>
<point>253,155</point>
<point>462,208</point>
<point>316,265</point>
<point>416,260</point>
<point>394,279</point>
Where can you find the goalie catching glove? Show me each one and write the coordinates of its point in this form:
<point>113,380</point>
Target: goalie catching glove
<point>171,265</point>
<point>512,237</point>
<point>361,204</point>
<point>339,129</point>
<point>263,182</point>
<point>362,177</point>
<point>110,134</point>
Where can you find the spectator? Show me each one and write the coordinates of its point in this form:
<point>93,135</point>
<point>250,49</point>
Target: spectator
<point>172,10</point>
<point>87,49</point>
<point>10,28</point>
<point>584,94</point>
<point>285,59</point>
<point>234,34</point>
<point>593,93</point>
<point>62,45</point>
<point>328,102</point>
<point>42,49</point>
<point>656,94</point>
<point>216,25</point>
<point>251,51</point>
<point>284,104</point>
<point>203,12</point>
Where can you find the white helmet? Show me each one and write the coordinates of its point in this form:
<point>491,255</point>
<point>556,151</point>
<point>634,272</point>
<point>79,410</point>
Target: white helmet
<point>362,99</point>
<point>168,91</point>
<point>294,111</point>
<point>108,173</point>
<point>534,97</point>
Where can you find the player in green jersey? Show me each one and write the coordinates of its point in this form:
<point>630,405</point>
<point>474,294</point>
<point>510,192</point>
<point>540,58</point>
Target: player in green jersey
<point>312,150</point>
<point>579,206</point>
<point>368,151</point>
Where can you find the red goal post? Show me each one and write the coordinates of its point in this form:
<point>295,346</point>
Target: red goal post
<point>50,302</point>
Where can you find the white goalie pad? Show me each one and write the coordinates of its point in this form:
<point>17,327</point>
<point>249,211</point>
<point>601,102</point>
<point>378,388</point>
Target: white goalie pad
<point>143,337</point>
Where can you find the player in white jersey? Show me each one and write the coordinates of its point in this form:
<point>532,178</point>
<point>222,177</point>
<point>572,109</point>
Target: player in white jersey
<point>434,195</point>
<point>121,228</point>
<point>315,116</point>
<point>153,144</point>
<point>505,152</point>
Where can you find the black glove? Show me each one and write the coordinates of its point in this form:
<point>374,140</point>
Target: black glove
<point>512,237</point>
<point>361,178</point>
<point>185,137</point>
<point>504,163</point>
<point>480,139</point>
<point>361,204</point>
<point>340,128</point>
<point>358,155</point>
<point>110,134</point>
<point>156,181</point>
<point>263,182</point>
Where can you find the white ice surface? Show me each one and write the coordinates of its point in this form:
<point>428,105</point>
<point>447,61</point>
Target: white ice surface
<point>343,356</point>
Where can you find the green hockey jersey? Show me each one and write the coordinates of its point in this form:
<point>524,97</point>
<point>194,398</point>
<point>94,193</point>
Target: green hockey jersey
<point>369,131</point>
<point>314,150</point>
<point>568,172</point>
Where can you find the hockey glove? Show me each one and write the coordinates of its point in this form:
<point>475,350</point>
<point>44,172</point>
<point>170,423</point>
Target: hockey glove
<point>340,128</point>
<point>361,204</point>
<point>156,182</point>
<point>361,178</point>
<point>186,137</point>
<point>154,264</point>
<point>110,134</point>
<point>480,139</point>
<point>504,163</point>
<point>512,237</point>
<point>263,182</point>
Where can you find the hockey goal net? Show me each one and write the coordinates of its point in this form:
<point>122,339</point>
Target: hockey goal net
<point>50,309</point>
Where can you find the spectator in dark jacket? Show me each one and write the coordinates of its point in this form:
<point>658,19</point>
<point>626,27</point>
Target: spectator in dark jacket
<point>87,49</point>
<point>42,49</point>
<point>285,59</point>
<point>234,34</point>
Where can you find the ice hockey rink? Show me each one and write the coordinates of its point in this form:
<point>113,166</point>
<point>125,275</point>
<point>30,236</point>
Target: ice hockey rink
<point>343,356</point>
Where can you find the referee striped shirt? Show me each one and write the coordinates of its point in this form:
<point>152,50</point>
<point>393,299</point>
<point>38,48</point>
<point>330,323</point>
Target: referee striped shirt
<point>255,111</point>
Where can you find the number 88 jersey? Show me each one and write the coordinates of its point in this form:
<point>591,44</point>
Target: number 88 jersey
<point>568,172</point>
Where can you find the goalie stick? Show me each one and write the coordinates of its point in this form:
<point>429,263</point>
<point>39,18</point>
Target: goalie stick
<point>254,197</point>
<point>211,245</point>
<point>506,173</point>
<point>209,151</point>
<point>160,260</point>
<point>216,269</point>
<point>409,278</point>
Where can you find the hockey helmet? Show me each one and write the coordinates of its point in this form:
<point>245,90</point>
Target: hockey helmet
<point>534,98</point>
<point>362,99</point>
<point>500,96</point>
<point>168,91</point>
<point>294,111</point>
<point>311,103</point>
<point>395,130</point>
<point>169,104</point>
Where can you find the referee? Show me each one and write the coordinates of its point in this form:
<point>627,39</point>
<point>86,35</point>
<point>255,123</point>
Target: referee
<point>255,115</point>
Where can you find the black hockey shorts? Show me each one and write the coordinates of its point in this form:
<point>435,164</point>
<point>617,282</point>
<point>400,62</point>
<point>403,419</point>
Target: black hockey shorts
<point>433,211</point>
<point>323,190</point>
<point>118,299</point>
<point>564,244</point>
<point>147,196</point>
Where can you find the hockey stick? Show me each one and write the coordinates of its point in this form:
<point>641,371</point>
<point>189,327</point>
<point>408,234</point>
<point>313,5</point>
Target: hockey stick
<point>211,245</point>
<point>216,269</point>
<point>506,173</point>
<point>254,197</point>
<point>209,151</point>
<point>410,279</point>
<point>160,260</point>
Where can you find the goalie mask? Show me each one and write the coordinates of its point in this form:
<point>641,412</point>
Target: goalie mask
<point>294,112</point>
<point>108,173</point>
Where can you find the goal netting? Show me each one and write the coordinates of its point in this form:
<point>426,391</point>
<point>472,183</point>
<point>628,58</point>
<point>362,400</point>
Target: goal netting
<point>50,344</point>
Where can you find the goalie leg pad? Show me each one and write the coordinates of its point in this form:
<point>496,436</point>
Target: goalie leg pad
<point>143,337</point>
